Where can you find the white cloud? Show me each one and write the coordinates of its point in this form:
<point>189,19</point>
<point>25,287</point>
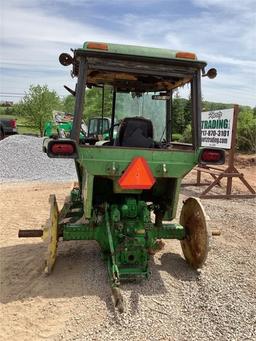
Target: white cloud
<point>229,5</point>
<point>222,59</point>
<point>34,37</point>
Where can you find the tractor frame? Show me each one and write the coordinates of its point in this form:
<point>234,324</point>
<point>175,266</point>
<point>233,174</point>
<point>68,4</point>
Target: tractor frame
<point>120,188</point>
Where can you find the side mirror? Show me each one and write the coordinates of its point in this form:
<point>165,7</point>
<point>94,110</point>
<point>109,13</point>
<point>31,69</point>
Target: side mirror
<point>65,59</point>
<point>211,73</point>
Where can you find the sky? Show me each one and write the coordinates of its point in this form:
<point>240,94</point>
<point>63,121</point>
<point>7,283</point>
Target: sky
<point>221,32</point>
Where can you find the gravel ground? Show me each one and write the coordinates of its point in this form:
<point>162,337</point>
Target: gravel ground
<point>177,303</point>
<point>22,158</point>
<point>74,303</point>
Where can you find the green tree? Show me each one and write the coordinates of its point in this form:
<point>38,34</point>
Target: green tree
<point>254,111</point>
<point>187,134</point>
<point>188,111</point>
<point>93,102</point>
<point>178,120</point>
<point>247,130</point>
<point>7,110</point>
<point>69,104</point>
<point>208,106</point>
<point>37,106</point>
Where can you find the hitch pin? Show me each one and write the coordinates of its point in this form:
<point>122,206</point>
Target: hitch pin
<point>114,167</point>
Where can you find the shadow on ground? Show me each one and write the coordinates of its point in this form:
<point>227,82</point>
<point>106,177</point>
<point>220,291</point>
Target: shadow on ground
<point>79,271</point>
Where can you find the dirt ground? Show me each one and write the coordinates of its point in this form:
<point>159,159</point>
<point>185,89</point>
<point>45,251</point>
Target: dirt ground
<point>244,163</point>
<point>74,303</point>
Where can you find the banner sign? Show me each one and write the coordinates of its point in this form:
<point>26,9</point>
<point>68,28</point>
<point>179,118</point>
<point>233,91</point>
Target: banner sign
<point>216,128</point>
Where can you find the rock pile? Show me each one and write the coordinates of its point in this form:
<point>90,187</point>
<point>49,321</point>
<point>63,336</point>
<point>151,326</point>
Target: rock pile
<point>22,159</point>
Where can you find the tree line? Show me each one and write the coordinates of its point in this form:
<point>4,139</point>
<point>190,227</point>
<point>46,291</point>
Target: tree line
<point>39,102</point>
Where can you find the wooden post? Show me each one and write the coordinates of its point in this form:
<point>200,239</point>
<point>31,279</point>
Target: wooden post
<point>232,150</point>
<point>198,177</point>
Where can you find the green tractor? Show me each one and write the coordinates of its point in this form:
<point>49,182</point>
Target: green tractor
<point>128,186</point>
<point>59,126</point>
<point>96,129</point>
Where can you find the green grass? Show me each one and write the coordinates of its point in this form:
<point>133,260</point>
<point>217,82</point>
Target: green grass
<point>2,110</point>
<point>8,116</point>
<point>22,125</point>
<point>27,130</point>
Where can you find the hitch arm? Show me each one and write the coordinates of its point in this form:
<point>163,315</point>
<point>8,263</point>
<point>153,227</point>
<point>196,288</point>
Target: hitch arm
<point>112,267</point>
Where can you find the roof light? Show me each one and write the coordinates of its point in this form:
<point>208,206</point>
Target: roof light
<point>186,55</point>
<point>97,46</point>
<point>137,176</point>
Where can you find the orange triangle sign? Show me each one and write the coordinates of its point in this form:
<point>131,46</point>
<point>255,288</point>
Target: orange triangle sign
<point>137,176</point>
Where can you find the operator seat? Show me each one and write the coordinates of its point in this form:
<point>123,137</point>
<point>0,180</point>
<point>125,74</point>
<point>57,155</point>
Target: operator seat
<point>135,132</point>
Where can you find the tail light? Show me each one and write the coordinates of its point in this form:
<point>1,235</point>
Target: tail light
<point>13,123</point>
<point>212,156</point>
<point>60,148</point>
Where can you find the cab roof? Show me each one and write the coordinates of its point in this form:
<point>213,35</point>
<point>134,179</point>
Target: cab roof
<point>136,68</point>
<point>143,51</point>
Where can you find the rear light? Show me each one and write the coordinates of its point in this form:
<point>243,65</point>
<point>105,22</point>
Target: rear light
<point>62,149</point>
<point>212,156</point>
<point>97,46</point>
<point>186,55</point>
<point>13,123</point>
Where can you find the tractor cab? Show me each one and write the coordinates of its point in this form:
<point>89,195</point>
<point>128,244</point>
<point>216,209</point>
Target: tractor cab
<point>143,82</point>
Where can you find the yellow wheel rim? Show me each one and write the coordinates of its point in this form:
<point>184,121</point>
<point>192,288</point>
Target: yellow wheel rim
<point>50,235</point>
